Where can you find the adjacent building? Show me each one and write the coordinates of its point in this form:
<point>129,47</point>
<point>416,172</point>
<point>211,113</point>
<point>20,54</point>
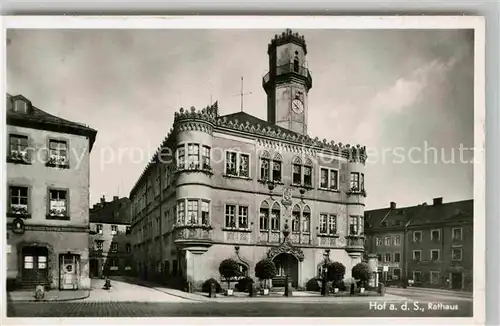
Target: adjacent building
<point>429,244</point>
<point>47,198</point>
<point>236,186</point>
<point>110,242</point>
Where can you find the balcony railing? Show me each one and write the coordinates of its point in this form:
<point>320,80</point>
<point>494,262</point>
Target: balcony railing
<point>289,68</point>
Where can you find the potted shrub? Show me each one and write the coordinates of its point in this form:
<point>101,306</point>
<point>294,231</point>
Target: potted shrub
<point>335,274</point>
<point>229,269</point>
<point>361,272</point>
<point>265,270</point>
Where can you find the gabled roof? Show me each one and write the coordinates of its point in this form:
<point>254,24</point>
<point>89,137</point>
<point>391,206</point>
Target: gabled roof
<point>114,212</point>
<point>419,215</point>
<point>39,119</point>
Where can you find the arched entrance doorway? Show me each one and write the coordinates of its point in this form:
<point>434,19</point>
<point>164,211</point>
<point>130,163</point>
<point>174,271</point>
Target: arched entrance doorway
<point>286,263</point>
<point>34,268</point>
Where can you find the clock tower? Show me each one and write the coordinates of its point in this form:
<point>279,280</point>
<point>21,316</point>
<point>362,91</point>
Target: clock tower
<point>288,82</point>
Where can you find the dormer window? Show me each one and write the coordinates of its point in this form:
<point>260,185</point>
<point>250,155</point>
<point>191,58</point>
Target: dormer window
<point>21,106</point>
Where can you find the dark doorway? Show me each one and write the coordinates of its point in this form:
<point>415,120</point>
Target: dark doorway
<point>286,264</point>
<point>296,64</point>
<point>35,265</point>
<point>94,268</point>
<point>456,281</point>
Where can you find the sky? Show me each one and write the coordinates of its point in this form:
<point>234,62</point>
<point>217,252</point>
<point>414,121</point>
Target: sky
<point>401,92</point>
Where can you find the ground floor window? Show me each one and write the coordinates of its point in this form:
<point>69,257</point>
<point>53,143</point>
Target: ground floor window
<point>434,277</point>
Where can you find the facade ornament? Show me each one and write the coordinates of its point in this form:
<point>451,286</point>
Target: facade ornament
<point>286,247</point>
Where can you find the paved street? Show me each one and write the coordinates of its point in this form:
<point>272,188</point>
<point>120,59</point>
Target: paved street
<point>415,300</point>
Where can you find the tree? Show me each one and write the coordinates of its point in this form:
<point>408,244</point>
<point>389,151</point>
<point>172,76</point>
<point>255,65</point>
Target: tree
<point>229,269</point>
<point>361,272</point>
<point>336,272</point>
<point>265,269</point>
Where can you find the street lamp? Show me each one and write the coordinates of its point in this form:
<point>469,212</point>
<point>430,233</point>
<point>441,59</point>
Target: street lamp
<point>326,259</point>
<point>288,285</point>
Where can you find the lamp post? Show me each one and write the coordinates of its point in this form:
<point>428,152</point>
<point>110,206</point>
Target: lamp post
<point>326,255</point>
<point>288,282</point>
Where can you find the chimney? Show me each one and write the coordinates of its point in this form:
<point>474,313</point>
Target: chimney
<point>115,198</point>
<point>437,201</point>
<point>103,199</point>
<point>393,205</point>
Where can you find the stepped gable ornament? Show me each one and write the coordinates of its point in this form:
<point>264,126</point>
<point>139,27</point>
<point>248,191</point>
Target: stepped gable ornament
<point>286,247</point>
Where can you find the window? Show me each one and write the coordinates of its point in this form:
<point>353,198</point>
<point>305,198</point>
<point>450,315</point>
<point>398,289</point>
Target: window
<point>329,179</point>
<point>28,262</point>
<point>114,246</point>
<point>417,236</point>
<point>99,228</point>
<point>193,156</point>
<point>114,229</point>
<point>323,222</point>
<point>205,157</point>
<point>397,257</point>
<point>242,217</point>
<point>180,211</point>
<point>387,241</point>
<point>264,169</point>
<point>205,212</point>
<point>397,240</point>
<point>42,262</point>
<point>98,245</point>
<point>18,200</point>
<point>192,211</point>
<point>277,161</point>
<point>307,219</point>
<point>297,174</point>
<point>457,234</point>
<point>231,216</point>
<point>379,257</point>
<point>128,230</point>
<point>18,147</point>
<point>58,153</point>
<point>264,216</point>
<point>237,164</point>
<point>417,276</point>
<point>58,203</point>
<point>387,257</point>
<point>456,254</point>
<point>356,225</point>
<point>435,235</point>
<point>296,219</point>
<point>275,217</point>
<point>20,106</point>
<point>181,156</point>
<point>355,181</point>
<point>332,224</point>
<point>308,173</point>
<point>434,277</point>
<point>417,255</point>
<point>113,262</point>
<point>434,254</point>
<point>379,242</point>
<point>128,247</point>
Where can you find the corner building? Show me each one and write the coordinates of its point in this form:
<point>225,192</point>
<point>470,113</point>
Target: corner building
<point>47,206</point>
<point>233,184</point>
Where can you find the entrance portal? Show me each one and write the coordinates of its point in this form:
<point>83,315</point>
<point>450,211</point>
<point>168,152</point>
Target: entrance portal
<point>69,271</point>
<point>286,264</point>
<point>35,269</point>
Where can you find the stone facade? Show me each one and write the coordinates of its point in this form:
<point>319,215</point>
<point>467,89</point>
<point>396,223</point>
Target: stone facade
<point>434,243</point>
<point>228,186</point>
<point>48,196</point>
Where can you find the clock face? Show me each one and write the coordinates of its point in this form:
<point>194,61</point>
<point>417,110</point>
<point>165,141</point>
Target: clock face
<point>297,106</point>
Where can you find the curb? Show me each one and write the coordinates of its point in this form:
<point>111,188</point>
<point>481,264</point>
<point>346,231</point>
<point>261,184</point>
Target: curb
<point>51,300</point>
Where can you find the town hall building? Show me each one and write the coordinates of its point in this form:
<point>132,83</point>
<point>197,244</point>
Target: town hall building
<point>236,186</point>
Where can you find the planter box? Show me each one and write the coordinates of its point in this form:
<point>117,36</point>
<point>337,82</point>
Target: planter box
<point>229,292</point>
<point>264,291</point>
<point>335,290</point>
<point>361,290</point>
